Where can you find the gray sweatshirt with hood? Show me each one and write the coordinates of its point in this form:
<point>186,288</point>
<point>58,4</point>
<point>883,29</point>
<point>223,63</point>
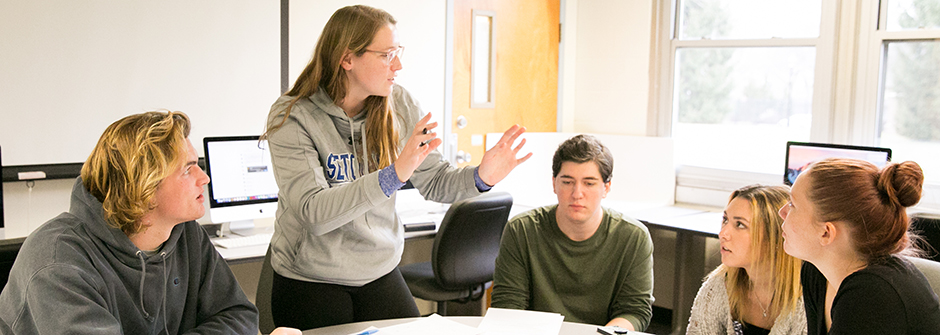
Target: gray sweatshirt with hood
<point>77,275</point>
<point>334,223</point>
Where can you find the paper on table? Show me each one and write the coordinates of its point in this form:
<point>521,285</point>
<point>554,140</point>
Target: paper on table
<point>433,324</point>
<point>370,330</point>
<point>519,322</point>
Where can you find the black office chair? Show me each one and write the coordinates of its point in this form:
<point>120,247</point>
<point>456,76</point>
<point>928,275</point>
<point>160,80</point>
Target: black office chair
<point>263,295</point>
<point>9,248</point>
<point>464,254</point>
<point>928,227</point>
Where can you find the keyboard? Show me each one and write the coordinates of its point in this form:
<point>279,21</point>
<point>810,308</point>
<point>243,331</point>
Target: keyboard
<point>243,241</point>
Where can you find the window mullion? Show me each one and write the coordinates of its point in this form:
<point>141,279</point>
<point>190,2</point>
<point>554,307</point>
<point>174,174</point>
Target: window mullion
<point>861,121</point>
<point>826,72</point>
<point>904,35</point>
<point>736,43</point>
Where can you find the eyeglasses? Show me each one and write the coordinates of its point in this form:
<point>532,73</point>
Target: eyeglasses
<point>389,55</point>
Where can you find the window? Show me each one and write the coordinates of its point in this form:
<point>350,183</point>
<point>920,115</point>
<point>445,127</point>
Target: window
<point>744,74</point>
<point>739,78</point>
<point>909,89</point>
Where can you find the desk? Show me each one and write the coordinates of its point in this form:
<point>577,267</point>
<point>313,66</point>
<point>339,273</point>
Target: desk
<point>410,206</point>
<point>567,328</point>
<point>691,227</point>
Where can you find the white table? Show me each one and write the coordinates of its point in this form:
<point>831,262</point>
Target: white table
<point>567,328</point>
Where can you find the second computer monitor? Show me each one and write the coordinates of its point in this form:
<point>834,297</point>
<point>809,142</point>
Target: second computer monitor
<point>242,186</point>
<point>801,154</point>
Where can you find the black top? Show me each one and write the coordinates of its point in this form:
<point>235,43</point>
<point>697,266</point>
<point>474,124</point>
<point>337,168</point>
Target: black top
<point>749,329</point>
<point>887,297</point>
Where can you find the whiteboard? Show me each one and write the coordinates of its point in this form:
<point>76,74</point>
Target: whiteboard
<point>68,69</point>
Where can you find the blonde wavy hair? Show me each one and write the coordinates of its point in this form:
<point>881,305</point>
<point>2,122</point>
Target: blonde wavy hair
<point>131,159</point>
<point>767,253</point>
<point>350,30</point>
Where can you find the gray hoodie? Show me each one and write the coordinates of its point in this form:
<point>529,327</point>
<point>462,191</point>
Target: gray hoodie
<point>77,275</point>
<point>334,223</point>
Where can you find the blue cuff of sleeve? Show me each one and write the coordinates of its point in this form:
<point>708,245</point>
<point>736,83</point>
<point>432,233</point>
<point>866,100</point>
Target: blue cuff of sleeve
<point>483,187</point>
<point>388,180</point>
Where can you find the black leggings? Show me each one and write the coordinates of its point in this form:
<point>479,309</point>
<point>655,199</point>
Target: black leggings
<point>307,305</point>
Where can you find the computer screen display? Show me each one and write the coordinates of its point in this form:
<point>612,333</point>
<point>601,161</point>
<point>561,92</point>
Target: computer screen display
<point>801,154</point>
<point>241,185</point>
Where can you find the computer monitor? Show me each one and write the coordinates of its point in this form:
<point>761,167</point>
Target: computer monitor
<point>801,154</point>
<point>241,185</point>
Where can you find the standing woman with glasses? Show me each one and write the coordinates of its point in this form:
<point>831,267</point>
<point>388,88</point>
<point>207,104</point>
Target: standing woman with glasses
<point>343,140</point>
<point>848,220</point>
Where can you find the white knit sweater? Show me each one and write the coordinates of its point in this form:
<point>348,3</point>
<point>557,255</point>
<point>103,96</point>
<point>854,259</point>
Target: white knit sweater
<point>711,313</point>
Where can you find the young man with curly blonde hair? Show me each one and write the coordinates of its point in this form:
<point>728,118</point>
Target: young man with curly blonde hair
<point>128,257</point>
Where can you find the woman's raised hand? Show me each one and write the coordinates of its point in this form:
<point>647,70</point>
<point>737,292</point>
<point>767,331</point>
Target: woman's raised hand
<point>423,139</point>
<point>501,158</point>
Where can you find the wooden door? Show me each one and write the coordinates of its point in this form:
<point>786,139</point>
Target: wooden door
<point>526,79</point>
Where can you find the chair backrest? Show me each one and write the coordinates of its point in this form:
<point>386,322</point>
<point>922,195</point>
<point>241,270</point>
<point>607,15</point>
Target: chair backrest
<point>263,295</point>
<point>928,227</point>
<point>9,248</point>
<point>930,269</point>
<point>467,241</point>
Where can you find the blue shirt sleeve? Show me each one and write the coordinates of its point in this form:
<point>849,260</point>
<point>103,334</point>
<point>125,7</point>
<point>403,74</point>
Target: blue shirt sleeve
<point>388,180</point>
<point>483,187</point>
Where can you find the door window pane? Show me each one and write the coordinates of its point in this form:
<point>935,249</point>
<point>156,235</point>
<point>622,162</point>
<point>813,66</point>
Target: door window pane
<point>748,19</point>
<point>735,108</point>
<point>910,111</point>
<point>913,14</point>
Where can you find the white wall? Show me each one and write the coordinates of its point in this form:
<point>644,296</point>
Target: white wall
<point>70,68</point>
<point>24,210</point>
<point>612,66</point>
<point>420,29</point>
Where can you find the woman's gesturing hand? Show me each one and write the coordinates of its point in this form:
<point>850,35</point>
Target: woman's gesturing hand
<point>501,158</point>
<point>423,139</point>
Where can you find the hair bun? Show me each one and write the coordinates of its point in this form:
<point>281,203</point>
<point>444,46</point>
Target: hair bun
<point>902,183</point>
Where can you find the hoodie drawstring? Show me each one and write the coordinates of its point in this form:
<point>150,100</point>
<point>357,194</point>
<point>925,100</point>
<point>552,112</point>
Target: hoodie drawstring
<point>165,274</point>
<point>143,276</point>
<point>352,135</point>
<point>365,149</point>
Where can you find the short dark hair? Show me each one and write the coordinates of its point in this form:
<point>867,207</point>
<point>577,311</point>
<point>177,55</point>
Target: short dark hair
<point>581,149</point>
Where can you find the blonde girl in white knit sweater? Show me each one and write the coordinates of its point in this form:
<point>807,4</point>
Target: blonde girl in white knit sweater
<point>756,289</point>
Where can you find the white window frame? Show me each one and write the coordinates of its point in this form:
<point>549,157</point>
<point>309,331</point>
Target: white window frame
<point>873,35</point>
<point>848,73</point>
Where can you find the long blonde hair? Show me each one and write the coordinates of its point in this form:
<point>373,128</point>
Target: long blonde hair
<point>132,157</point>
<point>767,253</point>
<point>350,29</point>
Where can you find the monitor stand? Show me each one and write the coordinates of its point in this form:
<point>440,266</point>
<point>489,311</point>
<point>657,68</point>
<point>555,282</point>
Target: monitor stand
<point>247,228</point>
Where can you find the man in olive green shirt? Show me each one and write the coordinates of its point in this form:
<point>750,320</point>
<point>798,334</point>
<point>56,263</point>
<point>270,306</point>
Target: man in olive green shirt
<point>590,264</point>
